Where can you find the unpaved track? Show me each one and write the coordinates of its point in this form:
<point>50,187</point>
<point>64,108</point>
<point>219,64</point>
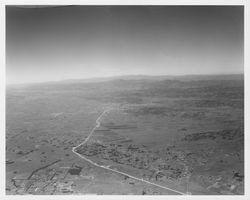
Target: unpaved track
<point>113,170</point>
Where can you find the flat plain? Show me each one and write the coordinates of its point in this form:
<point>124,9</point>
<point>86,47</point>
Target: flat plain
<point>185,133</point>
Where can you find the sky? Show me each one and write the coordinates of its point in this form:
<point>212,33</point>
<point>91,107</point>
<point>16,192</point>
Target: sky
<point>78,42</point>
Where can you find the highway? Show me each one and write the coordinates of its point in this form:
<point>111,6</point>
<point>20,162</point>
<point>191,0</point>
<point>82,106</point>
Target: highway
<point>113,170</point>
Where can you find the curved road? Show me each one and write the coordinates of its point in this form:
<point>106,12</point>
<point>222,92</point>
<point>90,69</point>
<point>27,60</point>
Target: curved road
<point>113,170</point>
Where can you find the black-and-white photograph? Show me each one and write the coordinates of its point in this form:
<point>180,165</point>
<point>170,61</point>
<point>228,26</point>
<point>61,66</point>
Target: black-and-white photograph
<point>124,100</point>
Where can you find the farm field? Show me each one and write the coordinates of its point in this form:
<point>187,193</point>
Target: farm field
<point>185,133</point>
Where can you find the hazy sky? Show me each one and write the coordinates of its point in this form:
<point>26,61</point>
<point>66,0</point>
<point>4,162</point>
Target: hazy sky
<point>44,44</point>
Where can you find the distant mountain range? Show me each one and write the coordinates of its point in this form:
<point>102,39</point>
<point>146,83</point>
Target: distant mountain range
<point>142,77</point>
<point>163,77</point>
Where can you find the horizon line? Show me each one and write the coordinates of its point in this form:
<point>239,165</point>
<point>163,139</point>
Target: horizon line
<point>118,76</point>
